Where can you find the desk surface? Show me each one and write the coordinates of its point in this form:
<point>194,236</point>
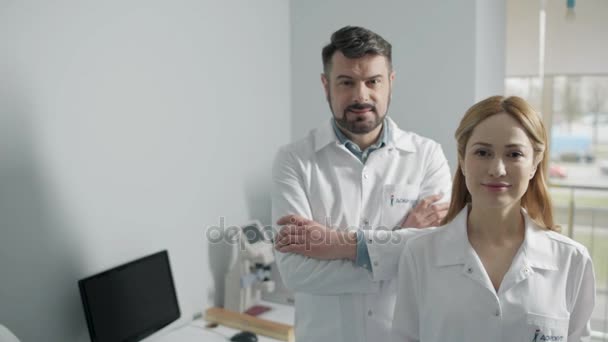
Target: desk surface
<point>196,331</point>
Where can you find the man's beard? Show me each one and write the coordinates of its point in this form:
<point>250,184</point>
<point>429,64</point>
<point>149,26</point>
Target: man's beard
<point>356,126</point>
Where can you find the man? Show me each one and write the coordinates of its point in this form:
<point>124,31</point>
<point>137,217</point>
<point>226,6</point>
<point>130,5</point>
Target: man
<point>361,175</point>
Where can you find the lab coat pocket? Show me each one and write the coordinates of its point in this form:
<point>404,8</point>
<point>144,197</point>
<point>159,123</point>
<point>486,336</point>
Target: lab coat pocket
<point>540,328</point>
<point>397,201</point>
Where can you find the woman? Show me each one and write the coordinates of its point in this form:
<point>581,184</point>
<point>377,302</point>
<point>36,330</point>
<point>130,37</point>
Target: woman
<point>498,270</point>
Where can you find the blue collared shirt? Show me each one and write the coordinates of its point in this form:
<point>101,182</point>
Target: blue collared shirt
<point>362,258</point>
<point>355,149</point>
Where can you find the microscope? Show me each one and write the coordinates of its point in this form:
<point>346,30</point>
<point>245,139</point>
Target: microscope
<point>250,274</point>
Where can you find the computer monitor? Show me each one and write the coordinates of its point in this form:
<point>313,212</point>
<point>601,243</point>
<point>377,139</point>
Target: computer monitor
<point>130,302</point>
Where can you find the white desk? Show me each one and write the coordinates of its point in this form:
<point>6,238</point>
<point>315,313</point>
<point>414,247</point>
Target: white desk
<point>196,331</point>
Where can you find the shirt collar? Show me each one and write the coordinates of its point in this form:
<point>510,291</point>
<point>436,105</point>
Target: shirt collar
<point>343,139</point>
<point>453,247</point>
<point>395,137</point>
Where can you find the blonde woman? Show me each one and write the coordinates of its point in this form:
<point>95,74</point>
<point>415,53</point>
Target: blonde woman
<point>498,270</point>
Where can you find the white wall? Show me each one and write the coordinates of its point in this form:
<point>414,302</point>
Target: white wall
<point>128,127</point>
<point>436,56</point>
<point>573,45</point>
<point>490,37</point>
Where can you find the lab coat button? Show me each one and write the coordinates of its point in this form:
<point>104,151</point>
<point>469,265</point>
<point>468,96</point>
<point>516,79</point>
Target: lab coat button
<point>375,263</point>
<point>497,313</point>
<point>365,221</point>
<point>365,175</point>
<point>470,270</point>
<point>369,313</point>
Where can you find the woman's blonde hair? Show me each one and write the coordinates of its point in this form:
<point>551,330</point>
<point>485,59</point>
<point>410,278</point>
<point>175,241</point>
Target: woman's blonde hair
<point>536,200</point>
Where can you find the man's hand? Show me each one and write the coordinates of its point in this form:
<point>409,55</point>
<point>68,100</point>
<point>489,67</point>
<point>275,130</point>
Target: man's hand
<point>306,237</point>
<point>426,214</point>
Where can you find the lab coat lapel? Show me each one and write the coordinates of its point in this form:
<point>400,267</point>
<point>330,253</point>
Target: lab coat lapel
<point>474,270</point>
<point>519,271</point>
<point>531,256</point>
<point>454,249</point>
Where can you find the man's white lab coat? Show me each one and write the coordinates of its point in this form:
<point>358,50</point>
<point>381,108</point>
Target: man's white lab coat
<point>318,178</point>
<point>445,294</point>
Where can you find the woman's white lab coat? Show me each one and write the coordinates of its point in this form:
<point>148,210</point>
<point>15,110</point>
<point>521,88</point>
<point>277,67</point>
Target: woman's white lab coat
<point>445,294</point>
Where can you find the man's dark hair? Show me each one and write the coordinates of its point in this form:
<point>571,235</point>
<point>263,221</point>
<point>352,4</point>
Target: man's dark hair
<point>356,42</point>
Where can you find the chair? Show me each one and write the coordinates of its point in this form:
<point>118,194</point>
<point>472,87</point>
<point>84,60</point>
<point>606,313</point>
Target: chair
<point>6,335</point>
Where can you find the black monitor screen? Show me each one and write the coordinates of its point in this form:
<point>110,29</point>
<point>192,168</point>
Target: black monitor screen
<point>131,301</point>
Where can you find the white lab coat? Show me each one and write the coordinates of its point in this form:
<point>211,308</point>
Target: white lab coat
<point>445,293</point>
<point>320,179</point>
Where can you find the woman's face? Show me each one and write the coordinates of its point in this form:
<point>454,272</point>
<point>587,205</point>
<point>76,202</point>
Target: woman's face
<point>498,162</point>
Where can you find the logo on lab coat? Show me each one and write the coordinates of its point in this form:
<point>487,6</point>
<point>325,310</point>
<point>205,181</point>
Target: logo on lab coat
<point>397,200</point>
<point>540,337</point>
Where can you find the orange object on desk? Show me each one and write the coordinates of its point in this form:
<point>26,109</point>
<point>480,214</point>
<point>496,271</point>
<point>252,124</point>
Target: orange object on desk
<point>241,321</point>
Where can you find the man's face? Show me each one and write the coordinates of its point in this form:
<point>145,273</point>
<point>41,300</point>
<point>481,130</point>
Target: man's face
<point>358,91</point>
